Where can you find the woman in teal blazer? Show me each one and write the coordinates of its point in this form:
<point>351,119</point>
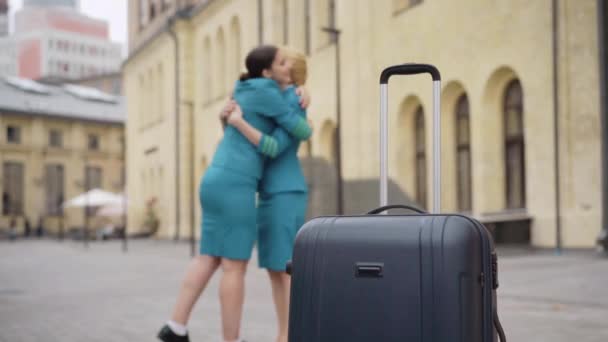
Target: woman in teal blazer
<point>283,193</point>
<point>227,194</point>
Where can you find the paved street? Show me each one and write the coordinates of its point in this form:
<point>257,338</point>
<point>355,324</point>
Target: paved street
<point>51,291</point>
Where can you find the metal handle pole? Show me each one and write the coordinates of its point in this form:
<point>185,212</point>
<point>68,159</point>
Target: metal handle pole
<point>436,147</point>
<point>383,144</point>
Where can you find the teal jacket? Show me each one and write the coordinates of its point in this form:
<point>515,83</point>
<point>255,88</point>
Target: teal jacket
<point>264,107</point>
<point>283,173</point>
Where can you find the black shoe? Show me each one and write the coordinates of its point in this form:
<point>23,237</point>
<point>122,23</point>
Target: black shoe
<point>167,335</point>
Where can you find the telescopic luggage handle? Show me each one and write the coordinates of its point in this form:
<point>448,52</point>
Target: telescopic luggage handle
<point>411,69</point>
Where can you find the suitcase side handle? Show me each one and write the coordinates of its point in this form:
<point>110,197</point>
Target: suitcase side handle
<point>396,206</point>
<point>411,69</point>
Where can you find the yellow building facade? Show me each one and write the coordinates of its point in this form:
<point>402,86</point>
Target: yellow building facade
<point>509,69</point>
<point>56,144</point>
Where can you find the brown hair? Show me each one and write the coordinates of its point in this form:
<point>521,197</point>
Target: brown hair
<point>259,59</point>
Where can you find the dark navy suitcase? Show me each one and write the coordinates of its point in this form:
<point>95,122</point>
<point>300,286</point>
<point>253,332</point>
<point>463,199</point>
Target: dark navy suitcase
<point>378,277</point>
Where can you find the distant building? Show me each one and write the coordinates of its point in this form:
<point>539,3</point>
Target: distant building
<point>55,143</point>
<point>53,39</point>
<point>60,41</point>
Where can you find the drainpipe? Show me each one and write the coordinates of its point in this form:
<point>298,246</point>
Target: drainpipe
<point>173,35</point>
<point>602,240</point>
<point>260,22</point>
<point>556,145</point>
<point>335,38</point>
<point>190,105</point>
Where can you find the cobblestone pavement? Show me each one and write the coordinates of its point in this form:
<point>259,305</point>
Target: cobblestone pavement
<point>58,291</point>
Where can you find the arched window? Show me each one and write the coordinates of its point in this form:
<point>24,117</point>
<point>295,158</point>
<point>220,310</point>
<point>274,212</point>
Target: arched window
<point>207,73</point>
<point>324,18</point>
<point>141,102</point>
<point>150,89</point>
<point>160,92</point>
<point>235,50</point>
<point>420,145</point>
<point>463,154</point>
<point>514,146</point>
<point>220,64</point>
<point>143,13</point>
<point>279,22</point>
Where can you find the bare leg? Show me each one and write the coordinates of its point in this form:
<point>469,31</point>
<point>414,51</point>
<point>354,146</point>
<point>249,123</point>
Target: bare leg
<point>232,295</point>
<point>280,282</point>
<point>198,273</point>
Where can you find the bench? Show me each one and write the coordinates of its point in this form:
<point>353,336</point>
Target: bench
<point>510,226</point>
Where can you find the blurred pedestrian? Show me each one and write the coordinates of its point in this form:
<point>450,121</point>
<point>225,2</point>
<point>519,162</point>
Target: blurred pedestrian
<point>27,228</point>
<point>40,227</point>
<point>12,229</point>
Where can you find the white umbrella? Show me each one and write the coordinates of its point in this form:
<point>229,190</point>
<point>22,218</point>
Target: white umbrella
<point>94,198</point>
<point>111,210</point>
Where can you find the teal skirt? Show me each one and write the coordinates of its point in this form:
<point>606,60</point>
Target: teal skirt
<point>280,216</point>
<point>229,213</point>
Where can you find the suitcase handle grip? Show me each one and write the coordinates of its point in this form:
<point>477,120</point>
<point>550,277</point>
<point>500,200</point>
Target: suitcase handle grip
<point>396,206</point>
<point>409,69</point>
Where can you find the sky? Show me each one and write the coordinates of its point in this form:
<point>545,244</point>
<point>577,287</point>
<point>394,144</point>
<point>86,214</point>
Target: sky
<point>112,11</point>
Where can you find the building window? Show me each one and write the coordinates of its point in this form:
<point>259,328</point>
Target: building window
<point>400,5</point>
<point>419,136</point>
<point>54,185</point>
<point>280,22</point>
<point>463,154</point>
<point>514,146</point>
<point>323,15</point>
<point>13,134</point>
<point>55,138</point>
<point>220,64</point>
<point>143,13</point>
<point>160,94</point>
<point>93,142</point>
<point>93,180</point>
<point>12,189</point>
<point>116,87</point>
<point>307,26</point>
<point>152,10</point>
<point>235,48</point>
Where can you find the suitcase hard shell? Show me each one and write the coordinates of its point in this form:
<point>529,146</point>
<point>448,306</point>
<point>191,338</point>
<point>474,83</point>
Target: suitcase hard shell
<point>422,277</point>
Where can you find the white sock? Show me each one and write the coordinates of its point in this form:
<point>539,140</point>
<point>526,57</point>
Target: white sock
<point>177,328</point>
<point>237,340</point>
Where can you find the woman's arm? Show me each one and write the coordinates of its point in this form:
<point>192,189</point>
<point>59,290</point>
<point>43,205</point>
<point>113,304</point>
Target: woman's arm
<point>236,120</point>
<point>269,145</point>
<point>269,101</point>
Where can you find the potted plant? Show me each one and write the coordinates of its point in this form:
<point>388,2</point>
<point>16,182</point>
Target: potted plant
<point>151,221</point>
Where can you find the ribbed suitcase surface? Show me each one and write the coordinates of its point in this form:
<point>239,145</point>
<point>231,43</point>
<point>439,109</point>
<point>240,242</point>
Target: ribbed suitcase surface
<point>392,278</point>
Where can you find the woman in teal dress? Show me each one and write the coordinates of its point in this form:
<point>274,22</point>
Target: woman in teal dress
<point>227,194</point>
<point>283,193</point>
